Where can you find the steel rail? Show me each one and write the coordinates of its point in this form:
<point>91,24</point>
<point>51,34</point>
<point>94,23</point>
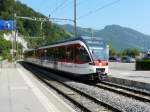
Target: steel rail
<point>41,71</point>
<point>122,91</point>
<point>79,105</point>
<point>137,91</point>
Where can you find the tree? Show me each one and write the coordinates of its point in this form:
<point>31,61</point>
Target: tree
<point>4,47</point>
<point>112,51</point>
<point>28,28</point>
<point>131,52</point>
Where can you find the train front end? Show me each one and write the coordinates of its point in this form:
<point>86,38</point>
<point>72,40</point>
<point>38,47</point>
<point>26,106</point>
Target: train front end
<point>99,51</point>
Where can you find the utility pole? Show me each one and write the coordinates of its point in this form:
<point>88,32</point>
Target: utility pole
<point>42,30</point>
<point>12,45</point>
<point>12,35</point>
<point>75,19</point>
<point>15,40</point>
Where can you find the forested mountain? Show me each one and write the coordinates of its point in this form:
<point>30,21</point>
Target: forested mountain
<point>28,28</point>
<point>120,37</point>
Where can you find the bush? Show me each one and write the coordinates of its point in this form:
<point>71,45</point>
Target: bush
<point>9,58</point>
<point>143,64</point>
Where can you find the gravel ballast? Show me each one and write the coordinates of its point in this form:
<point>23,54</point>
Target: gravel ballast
<point>123,103</point>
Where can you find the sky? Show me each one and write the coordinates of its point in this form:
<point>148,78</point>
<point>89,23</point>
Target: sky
<point>97,14</point>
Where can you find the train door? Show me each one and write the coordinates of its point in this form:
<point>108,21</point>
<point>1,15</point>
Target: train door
<point>61,60</point>
<point>39,53</point>
<point>82,60</point>
<point>68,65</point>
<point>56,55</point>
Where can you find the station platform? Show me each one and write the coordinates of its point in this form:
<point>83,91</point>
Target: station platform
<point>20,91</point>
<point>125,73</point>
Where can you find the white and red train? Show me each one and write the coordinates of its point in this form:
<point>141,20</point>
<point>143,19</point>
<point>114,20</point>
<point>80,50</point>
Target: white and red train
<point>80,57</point>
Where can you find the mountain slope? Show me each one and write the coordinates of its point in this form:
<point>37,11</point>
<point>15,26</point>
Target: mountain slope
<point>120,37</point>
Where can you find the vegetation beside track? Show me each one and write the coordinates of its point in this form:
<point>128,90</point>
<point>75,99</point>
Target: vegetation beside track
<point>143,64</point>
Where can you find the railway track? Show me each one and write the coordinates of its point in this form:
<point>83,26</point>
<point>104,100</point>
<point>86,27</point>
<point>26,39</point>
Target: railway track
<point>85,102</point>
<point>125,91</point>
<point>135,90</point>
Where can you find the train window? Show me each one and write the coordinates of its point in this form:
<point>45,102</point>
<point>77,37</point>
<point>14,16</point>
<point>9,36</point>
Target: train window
<point>84,56</point>
<point>55,52</point>
<point>36,54</point>
<point>40,53</point>
<point>62,53</point>
<point>70,53</point>
<point>30,54</point>
<point>50,54</point>
<point>45,57</point>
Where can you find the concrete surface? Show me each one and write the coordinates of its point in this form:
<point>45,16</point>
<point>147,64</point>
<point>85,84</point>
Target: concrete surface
<point>21,92</point>
<point>125,73</point>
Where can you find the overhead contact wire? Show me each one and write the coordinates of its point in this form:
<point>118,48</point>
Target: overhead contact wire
<point>98,9</point>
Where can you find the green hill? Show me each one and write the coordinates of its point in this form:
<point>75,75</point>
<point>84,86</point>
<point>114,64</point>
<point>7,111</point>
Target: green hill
<point>120,37</point>
<point>28,28</point>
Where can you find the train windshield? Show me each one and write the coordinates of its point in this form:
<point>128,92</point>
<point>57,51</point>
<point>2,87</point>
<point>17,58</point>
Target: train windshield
<point>99,53</point>
<point>98,49</point>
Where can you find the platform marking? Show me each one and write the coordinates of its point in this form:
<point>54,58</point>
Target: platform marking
<point>41,97</point>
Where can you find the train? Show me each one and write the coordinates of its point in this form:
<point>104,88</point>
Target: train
<point>82,57</point>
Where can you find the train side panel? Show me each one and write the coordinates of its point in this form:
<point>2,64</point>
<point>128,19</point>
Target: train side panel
<point>72,57</point>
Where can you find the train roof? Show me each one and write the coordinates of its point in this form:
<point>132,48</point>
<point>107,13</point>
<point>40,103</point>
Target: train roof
<point>82,38</point>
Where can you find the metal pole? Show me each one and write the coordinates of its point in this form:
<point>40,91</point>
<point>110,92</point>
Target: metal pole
<point>15,42</point>
<point>42,30</point>
<point>17,38</point>
<point>75,20</point>
<point>12,51</point>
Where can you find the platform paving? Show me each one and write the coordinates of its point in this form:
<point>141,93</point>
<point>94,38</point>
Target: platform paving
<point>130,76</point>
<point>21,92</point>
